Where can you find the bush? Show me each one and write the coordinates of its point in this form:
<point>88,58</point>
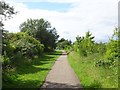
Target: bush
<point>19,45</point>
<point>27,45</point>
<point>112,51</point>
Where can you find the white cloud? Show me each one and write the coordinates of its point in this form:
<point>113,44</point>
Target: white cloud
<point>100,17</point>
<point>62,1</point>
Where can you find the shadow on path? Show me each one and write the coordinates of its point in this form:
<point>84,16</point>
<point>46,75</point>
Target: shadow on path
<point>59,85</point>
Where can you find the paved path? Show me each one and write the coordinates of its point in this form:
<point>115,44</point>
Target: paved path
<point>61,75</point>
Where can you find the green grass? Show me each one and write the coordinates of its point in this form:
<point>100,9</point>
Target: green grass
<point>32,74</point>
<point>91,76</point>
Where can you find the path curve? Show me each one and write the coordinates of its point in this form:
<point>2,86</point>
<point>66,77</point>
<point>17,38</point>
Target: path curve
<point>61,75</point>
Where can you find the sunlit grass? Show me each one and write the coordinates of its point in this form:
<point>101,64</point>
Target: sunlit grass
<point>91,76</point>
<point>31,75</point>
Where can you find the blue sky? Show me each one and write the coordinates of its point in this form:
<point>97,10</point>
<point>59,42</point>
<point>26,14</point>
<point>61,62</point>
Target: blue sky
<point>61,7</point>
<point>69,17</point>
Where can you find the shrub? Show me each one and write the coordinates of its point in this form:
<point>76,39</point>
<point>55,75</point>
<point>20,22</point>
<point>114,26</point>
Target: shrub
<point>27,45</point>
<point>19,45</point>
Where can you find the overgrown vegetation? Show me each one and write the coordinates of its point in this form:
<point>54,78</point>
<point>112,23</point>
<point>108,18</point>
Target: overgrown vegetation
<point>96,64</point>
<point>92,76</point>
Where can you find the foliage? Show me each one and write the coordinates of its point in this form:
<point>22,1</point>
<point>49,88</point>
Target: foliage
<point>27,45</point>
<point>91,76</point>
<point>16,46</point>
<point>6,11</point>
<point>112,53</point>
<point>84,45</point>
<point>23,52</point>
<point>100,48</point>
<point>63,44</point>
<point>110,50</point>
<point>100,68</point>
<point>42,31</point>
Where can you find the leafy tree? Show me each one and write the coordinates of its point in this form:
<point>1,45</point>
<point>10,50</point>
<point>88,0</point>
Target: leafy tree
<point>42,31</point>
<point>78,45</point>
<point>84,45</point>
<point>88,42</point>
<point>6,12</point>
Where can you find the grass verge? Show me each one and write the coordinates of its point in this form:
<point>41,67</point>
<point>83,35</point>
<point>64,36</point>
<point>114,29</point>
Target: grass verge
<point>91,76</point>
<point>32,74</point>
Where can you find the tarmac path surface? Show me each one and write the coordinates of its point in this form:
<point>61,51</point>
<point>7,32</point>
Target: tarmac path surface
<point>61,75</point>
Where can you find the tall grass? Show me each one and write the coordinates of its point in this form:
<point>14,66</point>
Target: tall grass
<point>90,75</point>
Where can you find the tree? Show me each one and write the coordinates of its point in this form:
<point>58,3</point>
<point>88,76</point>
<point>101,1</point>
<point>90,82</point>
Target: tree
<point>42,31</point>
<point>6,12</point>
<point>84,45</point>
<point>88,42</point>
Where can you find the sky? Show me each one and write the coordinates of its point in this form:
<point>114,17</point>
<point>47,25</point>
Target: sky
<point>69,17</point>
